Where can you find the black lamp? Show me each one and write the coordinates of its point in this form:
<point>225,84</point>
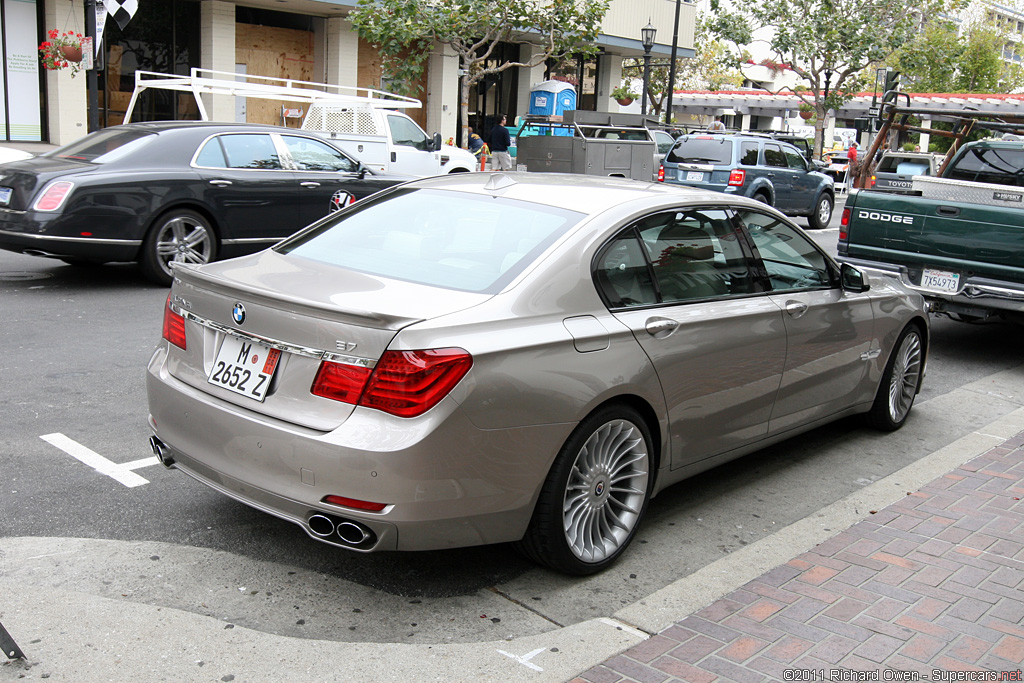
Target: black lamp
<point>647,39</point>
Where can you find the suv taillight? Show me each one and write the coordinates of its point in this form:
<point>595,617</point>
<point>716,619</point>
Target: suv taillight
<point>872,181</point>
<point>174,326</point>
<point>53,196</point>
<point>403,383</point>
<point>737,177</point>
<point>661,173</point>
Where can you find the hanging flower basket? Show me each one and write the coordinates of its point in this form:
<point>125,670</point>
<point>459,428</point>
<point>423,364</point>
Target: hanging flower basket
<point>624,101</point>
<point>63,50</point>
<point>806,115</point>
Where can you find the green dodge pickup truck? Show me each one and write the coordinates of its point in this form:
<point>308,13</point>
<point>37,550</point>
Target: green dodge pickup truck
<point>958,239</point>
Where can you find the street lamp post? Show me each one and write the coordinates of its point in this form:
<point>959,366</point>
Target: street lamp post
<point>647,38</point>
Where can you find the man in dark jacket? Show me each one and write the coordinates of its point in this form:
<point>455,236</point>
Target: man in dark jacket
<point>499,141</point>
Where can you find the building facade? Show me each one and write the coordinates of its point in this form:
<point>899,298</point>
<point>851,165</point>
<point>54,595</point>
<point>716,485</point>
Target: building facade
<point>309,40</point>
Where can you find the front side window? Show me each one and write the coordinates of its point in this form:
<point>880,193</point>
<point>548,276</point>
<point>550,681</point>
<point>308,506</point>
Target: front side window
<point>790,259</point>
<point>794,159</point>
<point>405,132</point>
<point>313,155</point>
<point>248,150</point>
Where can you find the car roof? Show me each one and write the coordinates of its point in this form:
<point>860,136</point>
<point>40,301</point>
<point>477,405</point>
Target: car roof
<point>208,126</point>
<point>586,194</point>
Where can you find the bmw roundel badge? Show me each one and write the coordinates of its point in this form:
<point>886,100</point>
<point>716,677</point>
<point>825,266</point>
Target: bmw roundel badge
<point>238,314</point>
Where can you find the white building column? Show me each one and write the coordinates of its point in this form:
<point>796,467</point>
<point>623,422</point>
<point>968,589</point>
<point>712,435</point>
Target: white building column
<point>68,104</point>
<point>442,98</point>
<point>609,78</point>
<point>342,52</point>
<point>926,122</point>
<point>217,52</point>
<point>527,79</point>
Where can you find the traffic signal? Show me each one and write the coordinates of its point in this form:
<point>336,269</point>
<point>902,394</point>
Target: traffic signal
<point>892,80</point>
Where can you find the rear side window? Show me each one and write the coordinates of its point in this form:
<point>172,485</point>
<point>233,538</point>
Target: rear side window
<point>773,156</point>
<point>250,151</point>
<point>748,154</point>
<point>988,165</point>
<point>439,238</point>
<point>709,150</point>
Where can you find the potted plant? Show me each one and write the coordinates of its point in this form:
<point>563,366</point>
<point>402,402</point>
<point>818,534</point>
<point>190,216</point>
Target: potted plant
<point>63,50</point>
<point>806,111</point>
<point>624,95</point>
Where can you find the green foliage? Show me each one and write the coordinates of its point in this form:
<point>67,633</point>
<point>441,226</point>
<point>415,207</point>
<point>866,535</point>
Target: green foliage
<point>942,59</point>
<point>405,31</point>
<point>624,92</point>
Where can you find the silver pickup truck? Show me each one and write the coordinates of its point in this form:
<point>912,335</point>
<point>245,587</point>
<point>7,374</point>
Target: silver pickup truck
<point>896,169</point>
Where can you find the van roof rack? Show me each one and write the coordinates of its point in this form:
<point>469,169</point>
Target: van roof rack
<point>207,81</point>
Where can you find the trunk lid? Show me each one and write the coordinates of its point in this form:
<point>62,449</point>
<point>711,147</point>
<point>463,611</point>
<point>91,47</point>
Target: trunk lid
<point>309,311</point>
<point>26,177</point>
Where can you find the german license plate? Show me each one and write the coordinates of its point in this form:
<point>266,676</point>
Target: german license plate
<point>696,176</point>
<point>5,195</point>
<point>940,281</point>
<point>244,367</point>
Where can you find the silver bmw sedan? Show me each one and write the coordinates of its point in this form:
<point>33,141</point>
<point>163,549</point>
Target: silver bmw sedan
<point>526,358</point>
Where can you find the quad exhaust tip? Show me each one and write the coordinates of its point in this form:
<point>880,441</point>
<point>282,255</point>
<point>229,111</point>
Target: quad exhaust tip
<point>335,530</point>
<point>162,451</point>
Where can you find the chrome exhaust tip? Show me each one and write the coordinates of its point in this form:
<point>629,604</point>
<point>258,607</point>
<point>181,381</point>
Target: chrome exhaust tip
<point>321,525</point>
<point>352,533</point>
<point>161,451</point>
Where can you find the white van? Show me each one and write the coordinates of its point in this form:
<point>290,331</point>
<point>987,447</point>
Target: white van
<point>364,122</point>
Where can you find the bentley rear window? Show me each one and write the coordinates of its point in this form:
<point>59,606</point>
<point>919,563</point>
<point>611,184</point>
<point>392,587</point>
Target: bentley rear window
<point>102,147</point>
<point>440,238</point>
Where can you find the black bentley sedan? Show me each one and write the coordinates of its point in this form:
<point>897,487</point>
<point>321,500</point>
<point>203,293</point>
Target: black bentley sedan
<point>175,191</point>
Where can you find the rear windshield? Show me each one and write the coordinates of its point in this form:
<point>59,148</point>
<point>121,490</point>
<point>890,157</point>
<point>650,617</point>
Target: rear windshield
<point>709,150</point>
<point>102,147</point>
<point>901,164</point>
<point>440,238</point>
<point>988,165</point>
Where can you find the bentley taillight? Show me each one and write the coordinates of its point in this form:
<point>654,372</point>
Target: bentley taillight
<point>53,196</point>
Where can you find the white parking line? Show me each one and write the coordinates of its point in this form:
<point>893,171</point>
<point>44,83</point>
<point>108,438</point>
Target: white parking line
<point>121,473</point>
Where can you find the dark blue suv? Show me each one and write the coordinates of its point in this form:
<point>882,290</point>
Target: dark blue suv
<point>768,170</point>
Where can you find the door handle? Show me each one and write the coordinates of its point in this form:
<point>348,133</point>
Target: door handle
<point>310,183</point>
<point>796,308</point>
<point>947,211</point>
<point>659,328</point>
<point>220,183</point>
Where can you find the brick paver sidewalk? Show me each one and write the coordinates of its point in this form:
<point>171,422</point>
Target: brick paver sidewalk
<point>928,587</point>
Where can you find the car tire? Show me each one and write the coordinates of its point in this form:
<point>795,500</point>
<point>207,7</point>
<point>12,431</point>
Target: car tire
<point>180,235</point>
<point>595,494</point>
<point>763,198</point>
<point>901,380</point>
<point>822,213</point>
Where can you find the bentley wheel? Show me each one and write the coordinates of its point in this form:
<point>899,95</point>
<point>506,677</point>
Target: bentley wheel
<point>594,496</point>
<point>900,382</point>
<point>178,236</point>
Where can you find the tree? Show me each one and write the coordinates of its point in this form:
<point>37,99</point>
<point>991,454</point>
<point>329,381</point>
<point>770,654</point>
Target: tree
<point>829,43</point>
<point>405,32</point>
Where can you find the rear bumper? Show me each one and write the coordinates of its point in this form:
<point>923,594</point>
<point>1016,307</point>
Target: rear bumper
<point>445,482</point>
<point>976,294</point>
<point>85,248</point>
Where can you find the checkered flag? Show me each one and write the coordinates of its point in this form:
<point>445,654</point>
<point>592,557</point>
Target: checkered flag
<point>121,10</point>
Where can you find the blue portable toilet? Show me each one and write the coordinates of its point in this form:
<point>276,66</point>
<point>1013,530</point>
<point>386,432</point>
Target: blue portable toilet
<point>553,98</point>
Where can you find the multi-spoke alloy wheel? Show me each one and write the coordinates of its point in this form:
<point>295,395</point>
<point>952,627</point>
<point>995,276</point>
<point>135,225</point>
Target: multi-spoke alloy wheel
<point>178,236</point>
<point>595,494</point>
<point>900,382</point>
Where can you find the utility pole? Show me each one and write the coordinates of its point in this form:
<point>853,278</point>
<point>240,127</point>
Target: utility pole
<point>672,68</point>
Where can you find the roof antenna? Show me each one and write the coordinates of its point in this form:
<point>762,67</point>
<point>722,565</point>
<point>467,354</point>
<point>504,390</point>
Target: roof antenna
<point>499,181</point>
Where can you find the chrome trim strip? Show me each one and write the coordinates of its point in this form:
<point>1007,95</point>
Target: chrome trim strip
<point>308,352</point>
<point>253,240</point>
<point>4,209</point>
<point>84,240</point>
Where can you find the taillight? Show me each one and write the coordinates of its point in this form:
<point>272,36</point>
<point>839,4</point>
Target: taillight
<point>53,196</point>
<point>353,503</point>
<point>174,326</point>
<point>403,383</point>
<point>340,382</point>
<point>872,181</point>
<point>845,220</point>
<point>661,173</point>
<point>737,177</point>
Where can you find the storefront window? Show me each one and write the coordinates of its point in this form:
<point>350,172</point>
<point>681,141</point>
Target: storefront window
<point>20,79</point>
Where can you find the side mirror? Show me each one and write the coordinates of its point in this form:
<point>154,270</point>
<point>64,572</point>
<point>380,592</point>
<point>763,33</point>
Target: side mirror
<point>437,142</point>
<point>361,171</point>
<point>852,280</point>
